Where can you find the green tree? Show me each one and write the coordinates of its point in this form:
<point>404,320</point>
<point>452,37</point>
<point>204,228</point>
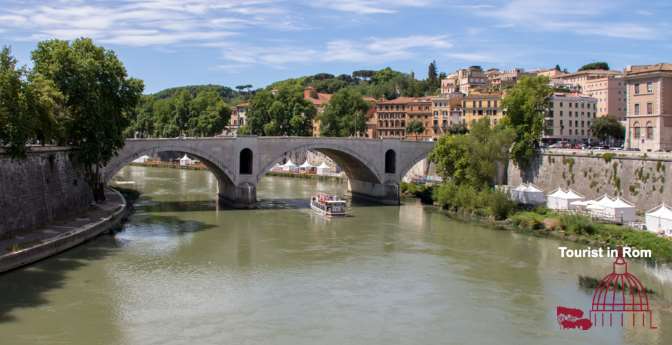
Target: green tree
<point>98,95</point>
<point>345,115</point>
<point>15,122</point>
<point>595,65</point>
<point>458,128</point>
<point>473,159</point>
<point>525,104</point>
<point>280,112</point>
<point>433,77</point>
<point>415,127</point>
<point>607,128</point>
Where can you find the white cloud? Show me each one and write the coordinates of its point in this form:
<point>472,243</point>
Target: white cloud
<point>141,22</point>
<point>590,17</point>
<point>370,6</point>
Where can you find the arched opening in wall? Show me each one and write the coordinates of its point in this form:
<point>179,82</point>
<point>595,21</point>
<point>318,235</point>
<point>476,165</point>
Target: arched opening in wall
<point>174,180</point>
<point>246,162</point>
<point>390,162</point>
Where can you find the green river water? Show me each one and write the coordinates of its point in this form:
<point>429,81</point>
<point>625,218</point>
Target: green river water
<point>183,271</point>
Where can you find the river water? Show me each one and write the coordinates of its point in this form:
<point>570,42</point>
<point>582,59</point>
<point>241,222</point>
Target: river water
<point>183,271</point>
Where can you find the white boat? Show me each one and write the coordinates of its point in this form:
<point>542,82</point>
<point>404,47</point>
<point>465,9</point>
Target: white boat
<point>328,205</point>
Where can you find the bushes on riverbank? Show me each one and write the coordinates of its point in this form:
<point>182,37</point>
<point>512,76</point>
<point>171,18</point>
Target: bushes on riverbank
<point>465,198</point>
<point>414,190</point>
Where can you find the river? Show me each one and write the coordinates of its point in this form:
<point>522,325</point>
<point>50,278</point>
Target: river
<point>183,271</point>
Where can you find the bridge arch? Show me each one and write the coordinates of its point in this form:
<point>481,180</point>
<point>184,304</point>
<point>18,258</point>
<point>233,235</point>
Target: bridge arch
<point>354,165</point>
<point>129,153</point>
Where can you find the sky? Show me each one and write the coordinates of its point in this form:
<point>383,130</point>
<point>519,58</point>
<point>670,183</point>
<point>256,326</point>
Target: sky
<point>171,43</point>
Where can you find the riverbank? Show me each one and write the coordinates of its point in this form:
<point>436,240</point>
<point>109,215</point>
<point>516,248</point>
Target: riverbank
<point>32,246</point>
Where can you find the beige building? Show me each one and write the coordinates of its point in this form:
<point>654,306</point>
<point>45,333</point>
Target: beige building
<point>607,87</point>
<point>550,73</point>
<point>238,119</point>
<point>447,111</point>
<point>502,79</point>
<point>393,117</point>
<point>483,104</point>
<point>649,107</point>
<point>320,101</point>
<point>569,118</point>
<point>465,80</point>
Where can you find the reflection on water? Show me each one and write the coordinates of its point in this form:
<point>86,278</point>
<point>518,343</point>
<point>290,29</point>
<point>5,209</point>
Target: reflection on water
<point>184,271</point>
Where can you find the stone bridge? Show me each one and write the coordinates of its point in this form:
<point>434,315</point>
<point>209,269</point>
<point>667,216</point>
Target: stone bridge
<point>374,167</point>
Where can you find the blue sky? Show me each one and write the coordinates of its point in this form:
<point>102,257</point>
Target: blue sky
<point>230,42</point>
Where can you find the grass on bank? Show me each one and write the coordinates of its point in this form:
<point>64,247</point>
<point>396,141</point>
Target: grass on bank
<point>495,205</point>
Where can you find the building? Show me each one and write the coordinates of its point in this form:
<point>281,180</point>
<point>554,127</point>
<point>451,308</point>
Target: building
<point>447,111</point>
<point>550,73</point>
<point>394,115</point>
<point>371,118</point>
<point>465,80</point>
<point>501,79</point>
<point>238,118</point>
<point>420,109</point>
<point>479,104</point>
<point>320,101</point>
<point>607,87</point>
<point>649,107</point>
<point>569,118</point>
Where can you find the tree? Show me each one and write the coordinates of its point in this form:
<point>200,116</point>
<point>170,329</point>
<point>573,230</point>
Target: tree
<point>98,95</point>
<point>345,115</point>
<point>283,112</point>
<point>525,104</point>
<point>606,128</point>
<point>433,77</point>
<point>458,128</point>
<point>557,68</point>
<point>415,127</point>
<point>595,65</point>
<point>473,159</point>
<point>15,126</point>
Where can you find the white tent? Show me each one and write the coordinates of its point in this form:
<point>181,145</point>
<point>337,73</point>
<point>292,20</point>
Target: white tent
<point>323,169</point>
<point>141,159</point>
<point>617,210</point>
<point>184,161</point>
<point>561,200</point>
<point>306,165</point>
<point>528,195</point>
<point>289,166</point>
<point>659,219</point>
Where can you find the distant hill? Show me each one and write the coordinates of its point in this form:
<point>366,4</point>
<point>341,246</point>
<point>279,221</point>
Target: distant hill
<point>227,93</point>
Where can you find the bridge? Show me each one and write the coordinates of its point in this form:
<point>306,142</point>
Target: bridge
<point>374,167</point>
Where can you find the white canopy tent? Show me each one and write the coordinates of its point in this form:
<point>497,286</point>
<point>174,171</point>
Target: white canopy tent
<point>323,169</point>
<point>659,219</point>
<point>617,210</point>
<point>528,194</point>
<point>289,166</point>
<point>306,165</point>
<point>561,200</point>
<point>184,161</point>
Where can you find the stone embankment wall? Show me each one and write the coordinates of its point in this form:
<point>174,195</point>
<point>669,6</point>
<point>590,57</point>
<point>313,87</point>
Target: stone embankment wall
<point>39,189</point>
<point>641,178</point>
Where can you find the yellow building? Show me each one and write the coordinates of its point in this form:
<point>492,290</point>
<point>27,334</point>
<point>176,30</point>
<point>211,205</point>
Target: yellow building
<point>478,105</point>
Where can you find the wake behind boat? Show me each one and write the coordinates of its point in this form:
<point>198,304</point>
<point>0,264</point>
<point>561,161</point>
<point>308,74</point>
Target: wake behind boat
<point>328,205</point>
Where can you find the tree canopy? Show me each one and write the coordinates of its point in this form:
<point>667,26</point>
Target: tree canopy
<point>280,112</point>
<point>415,127</point>
<point>525,104</point>
<point>607,128</point>
<point>345,115</point>
<point>595,65</point>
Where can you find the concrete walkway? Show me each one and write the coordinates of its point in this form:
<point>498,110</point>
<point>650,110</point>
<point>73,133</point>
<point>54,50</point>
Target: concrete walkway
<point>54,238</point>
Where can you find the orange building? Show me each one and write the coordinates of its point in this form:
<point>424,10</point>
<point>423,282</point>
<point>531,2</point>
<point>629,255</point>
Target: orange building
<point>393,116</point>
<point>478,105</point>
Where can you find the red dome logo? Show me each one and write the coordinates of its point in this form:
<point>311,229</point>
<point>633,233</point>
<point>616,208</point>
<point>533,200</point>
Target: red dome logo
<point>619,299</point>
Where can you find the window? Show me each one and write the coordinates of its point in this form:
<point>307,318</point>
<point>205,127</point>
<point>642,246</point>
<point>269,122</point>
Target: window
<point>649,108</point>
<point>636,108</point>
<point>637,89</point>
<point>637,129</point>
<point>649,87</point>
<point>649,130</point>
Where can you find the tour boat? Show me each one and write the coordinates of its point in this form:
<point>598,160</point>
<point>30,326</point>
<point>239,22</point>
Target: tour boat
<point>328,205</point>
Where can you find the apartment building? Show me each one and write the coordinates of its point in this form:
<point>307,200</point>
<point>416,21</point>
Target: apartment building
<point>320,101</point>
<point>371,119</point>
<point>465,80</point>
<point>569,118</point>
<point>503,79</point>
<point>446,112</point>
<point>607,87</point>
<point>478,105</point>
<point>393,117</point>
<point>550,73</point>
<point>238,118</point>
<point>649,107</point>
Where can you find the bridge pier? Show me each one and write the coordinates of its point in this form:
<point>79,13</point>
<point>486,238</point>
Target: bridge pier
<point>241,196</point>
<point>385,193</point>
